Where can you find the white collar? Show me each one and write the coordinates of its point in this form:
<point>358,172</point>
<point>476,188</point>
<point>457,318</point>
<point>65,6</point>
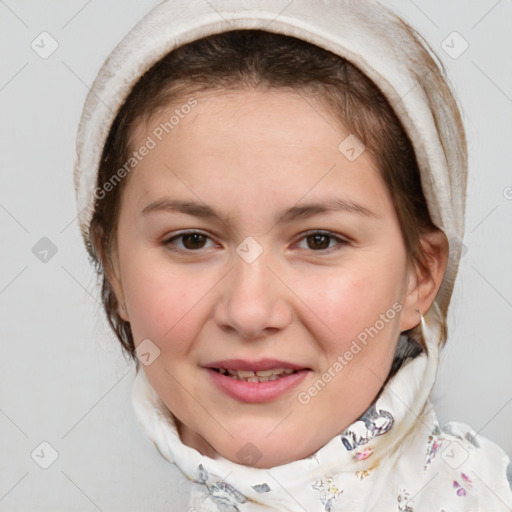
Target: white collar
<point>358,450</point>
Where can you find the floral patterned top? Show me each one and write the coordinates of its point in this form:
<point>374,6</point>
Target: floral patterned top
<point>395,457</point>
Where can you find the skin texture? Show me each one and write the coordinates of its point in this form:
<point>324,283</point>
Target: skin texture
<point>250,154</point>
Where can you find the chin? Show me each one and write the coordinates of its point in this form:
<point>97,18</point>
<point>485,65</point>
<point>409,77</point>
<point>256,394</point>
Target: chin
<point>262,450</point>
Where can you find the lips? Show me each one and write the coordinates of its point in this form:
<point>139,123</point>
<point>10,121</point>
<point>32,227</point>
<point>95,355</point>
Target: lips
<point>255,381</point>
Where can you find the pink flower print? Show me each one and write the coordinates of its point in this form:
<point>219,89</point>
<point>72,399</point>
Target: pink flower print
<point>364,454</point>
<point>461,491</point>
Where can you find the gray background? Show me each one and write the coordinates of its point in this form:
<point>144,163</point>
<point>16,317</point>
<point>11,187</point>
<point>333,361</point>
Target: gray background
<point>63,378</point>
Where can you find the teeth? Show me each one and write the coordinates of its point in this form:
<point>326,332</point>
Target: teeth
<point>264,373</point>
<point>245,373</point>
<point>279,371</point>
<point>258,376</point>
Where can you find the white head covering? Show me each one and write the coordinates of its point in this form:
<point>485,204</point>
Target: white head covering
<point>373,39</point>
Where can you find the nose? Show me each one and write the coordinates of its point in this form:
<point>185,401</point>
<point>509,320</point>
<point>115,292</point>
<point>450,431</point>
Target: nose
<point>253,301</point>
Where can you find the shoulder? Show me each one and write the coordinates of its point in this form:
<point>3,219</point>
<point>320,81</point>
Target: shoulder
<point>478,464</point>
<point>459,470</point>
<point>475,446</point>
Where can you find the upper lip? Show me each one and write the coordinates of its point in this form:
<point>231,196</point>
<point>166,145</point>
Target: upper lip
<point>255,365</point>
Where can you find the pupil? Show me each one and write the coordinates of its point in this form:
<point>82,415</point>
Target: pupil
<point>320,241</point>
<point>193,241</point>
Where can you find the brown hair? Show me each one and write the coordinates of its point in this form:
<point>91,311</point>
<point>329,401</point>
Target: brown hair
<point>255,58</point>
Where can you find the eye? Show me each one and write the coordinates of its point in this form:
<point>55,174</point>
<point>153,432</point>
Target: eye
<point>190,241</point>
<point>322,241</point>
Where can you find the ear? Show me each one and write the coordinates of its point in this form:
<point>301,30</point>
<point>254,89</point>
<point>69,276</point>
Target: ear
<point>113,274</point>
<point>110,263</point>
<point>423,286</point>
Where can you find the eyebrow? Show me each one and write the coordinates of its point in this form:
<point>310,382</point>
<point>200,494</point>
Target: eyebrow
<point>295,212</point>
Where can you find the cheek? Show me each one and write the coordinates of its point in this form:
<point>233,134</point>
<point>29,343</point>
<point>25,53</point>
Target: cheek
<point>352,298</point>
<point>349,303</point>
<point>164,303</point>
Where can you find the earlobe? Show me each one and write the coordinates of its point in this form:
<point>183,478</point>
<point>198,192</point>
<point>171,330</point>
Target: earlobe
<point>424,283</point>
<point>112,273</point>
<point>110,263</point>
<point>121,311</point>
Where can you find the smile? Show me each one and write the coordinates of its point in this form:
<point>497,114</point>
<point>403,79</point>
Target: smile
<point>255,381</point>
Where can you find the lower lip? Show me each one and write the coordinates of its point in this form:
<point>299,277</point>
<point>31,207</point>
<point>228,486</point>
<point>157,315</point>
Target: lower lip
<point>256,392</point>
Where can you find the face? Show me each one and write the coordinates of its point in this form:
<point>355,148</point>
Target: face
<point>248,242</point>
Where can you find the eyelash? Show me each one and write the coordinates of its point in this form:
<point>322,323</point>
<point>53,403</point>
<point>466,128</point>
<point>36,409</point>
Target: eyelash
<point>340,242</point>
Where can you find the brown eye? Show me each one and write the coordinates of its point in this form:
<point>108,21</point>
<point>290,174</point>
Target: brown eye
<point>318,241</point>
<point>322,241</point>
<point>187,241</point>
<point>194,241</point>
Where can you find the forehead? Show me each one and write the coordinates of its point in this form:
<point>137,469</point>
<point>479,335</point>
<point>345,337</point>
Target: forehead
<point>279,143</point>
<point>290,116</point>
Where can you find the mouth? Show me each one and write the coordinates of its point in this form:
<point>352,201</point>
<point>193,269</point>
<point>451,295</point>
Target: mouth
<point>255,381</point>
